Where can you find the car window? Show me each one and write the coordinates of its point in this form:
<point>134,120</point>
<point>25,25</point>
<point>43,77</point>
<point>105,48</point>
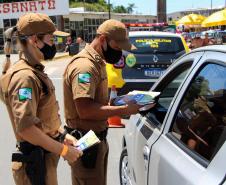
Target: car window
<point>157,114</point>
<point>157,44</point>
<point>200,123</point>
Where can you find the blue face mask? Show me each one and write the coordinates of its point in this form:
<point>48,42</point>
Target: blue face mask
<point>48,51</point>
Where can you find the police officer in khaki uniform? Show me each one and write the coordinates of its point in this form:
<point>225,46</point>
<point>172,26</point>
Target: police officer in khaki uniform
<point>86,99</point>
<point>30,99</point>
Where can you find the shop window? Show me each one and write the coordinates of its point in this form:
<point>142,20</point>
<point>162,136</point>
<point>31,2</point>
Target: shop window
<point>89,22</point>
<point>85,21</point>
<point>6,23</point>
<point>13,22</point>
<point>1,43</point>
<point>53,18</point>
<point>93,22</point>
<point>200,123</point>
<point>81,24</point>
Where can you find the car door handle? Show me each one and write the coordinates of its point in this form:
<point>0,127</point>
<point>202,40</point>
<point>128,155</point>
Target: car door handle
<point>146,153</point>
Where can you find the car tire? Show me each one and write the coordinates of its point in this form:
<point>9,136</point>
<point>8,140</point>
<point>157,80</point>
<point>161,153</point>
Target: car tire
<point>124,171</point>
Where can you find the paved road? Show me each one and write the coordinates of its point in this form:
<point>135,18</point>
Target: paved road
<point>7,142</point>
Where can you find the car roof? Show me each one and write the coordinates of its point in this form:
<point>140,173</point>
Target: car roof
<point>217,48</point>
<point>152,33</point>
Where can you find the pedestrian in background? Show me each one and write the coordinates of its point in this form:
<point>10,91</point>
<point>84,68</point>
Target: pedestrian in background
<point>81,42</point>
<point>207,41</point>
<point>29,96</point>
<point>86,99</point>
<point>68,43</point>
<point>197,41</point>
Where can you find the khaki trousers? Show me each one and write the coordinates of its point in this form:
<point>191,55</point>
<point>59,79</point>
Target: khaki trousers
<point>20,177</point>
<point>96,176</point>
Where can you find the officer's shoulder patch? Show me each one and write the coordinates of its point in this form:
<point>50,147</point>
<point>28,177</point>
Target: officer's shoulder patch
<point>25,94</point>
<point>84,77</point>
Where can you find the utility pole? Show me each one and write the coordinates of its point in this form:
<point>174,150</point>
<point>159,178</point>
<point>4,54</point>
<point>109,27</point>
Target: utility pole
<point>211,6</point>
<point>109,9</point>
<point>161,10</point>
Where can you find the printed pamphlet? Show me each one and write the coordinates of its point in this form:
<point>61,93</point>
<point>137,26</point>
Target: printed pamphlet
<point>140,97</point>
<point>87,141</point>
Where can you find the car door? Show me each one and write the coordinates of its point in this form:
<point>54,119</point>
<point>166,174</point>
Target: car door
<point>144,129</point>
<point>191,150</point>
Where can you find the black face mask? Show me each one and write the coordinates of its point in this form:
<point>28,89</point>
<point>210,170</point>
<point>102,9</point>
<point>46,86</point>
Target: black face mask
<point>48,51</point>
<point>112,56</point>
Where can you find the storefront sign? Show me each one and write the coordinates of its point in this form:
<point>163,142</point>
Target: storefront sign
<point>50,7</point>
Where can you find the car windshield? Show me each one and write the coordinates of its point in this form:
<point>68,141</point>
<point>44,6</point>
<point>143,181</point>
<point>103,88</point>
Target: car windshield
<point>156,44</point>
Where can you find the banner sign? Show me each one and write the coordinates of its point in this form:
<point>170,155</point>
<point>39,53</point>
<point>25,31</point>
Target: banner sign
<point>50,7</point>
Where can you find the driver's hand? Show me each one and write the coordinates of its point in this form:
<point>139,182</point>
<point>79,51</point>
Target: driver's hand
<point>147,107</point>
<point>132,108</point>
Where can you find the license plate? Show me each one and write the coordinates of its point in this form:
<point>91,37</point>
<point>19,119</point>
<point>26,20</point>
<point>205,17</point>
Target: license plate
<point>154,72</point>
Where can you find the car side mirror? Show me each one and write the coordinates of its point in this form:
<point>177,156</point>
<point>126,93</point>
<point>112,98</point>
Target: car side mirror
<point>145,109</point>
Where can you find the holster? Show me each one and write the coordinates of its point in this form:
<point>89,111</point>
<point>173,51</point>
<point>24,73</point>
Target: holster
<point>34,157</point>
<point>89,157</point>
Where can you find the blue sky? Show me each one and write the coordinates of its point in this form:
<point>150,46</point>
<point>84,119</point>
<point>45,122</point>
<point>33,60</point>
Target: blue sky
<point>149,6</point>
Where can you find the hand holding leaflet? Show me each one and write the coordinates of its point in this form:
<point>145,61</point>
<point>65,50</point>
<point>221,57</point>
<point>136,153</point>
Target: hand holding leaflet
<point>139,97</point>
<point>87,141</point>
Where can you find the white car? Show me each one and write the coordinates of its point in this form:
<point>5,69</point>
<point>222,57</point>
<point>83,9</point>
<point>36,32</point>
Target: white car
<point>182,139</point>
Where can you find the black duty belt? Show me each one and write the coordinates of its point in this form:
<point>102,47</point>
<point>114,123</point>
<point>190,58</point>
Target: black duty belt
<point>78,133</point>
<point>60,136</point>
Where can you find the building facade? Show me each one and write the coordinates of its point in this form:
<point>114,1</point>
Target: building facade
<point>10,12</point>
<point>76,21</point>
<point>82,23</point>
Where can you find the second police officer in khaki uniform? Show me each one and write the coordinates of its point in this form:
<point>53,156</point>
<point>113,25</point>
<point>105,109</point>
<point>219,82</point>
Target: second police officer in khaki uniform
<point>30,99</point>
<point>86,99</point>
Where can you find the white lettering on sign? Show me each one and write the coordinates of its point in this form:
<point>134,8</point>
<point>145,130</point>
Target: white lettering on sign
<point>49,7</point>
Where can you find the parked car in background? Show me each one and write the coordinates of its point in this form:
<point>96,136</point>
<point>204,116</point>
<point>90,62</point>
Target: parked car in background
<point>182,139</point>
<point>140,68</point>
<point>187,36</point>
<point>214,35</point>
<point>223,35</point>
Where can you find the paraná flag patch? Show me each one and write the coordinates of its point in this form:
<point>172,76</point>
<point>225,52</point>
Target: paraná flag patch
<point>25,94</point>
<point>84,78</point>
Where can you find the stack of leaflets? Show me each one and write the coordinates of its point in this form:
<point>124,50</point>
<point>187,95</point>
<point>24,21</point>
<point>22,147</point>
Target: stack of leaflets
<point>140,97</point>
<point>87,141</point>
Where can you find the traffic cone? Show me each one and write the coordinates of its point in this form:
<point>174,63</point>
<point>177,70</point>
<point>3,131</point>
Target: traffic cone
<point>114,121</point>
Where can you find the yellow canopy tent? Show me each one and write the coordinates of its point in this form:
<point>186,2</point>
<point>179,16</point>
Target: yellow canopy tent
<point>191,19</point>
<point>216,19</point>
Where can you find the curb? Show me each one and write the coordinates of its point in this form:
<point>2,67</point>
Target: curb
<point>64,55</point>
<point>61,56</point>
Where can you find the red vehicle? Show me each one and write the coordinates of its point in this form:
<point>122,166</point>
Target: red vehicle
<point>151,27</point>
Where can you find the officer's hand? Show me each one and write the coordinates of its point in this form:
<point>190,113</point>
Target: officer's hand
<point>72,154</point>
<point>132,108</point>
<point>70,140</point>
